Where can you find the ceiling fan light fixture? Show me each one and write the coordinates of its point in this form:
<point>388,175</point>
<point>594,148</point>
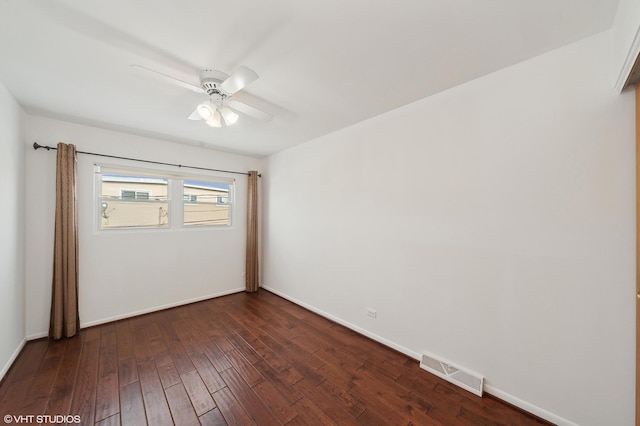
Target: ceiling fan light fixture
<point>221,88</point>
<point>214,114</point>
<point>215,119</point>
<point>205,111</point>
<point>230,117</point>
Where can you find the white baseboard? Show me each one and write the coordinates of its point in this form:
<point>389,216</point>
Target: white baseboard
<point>143,311</point>
<point>488,388</point>
<point>536,411</point>
<point>36,336</point>
<point>12,358</point>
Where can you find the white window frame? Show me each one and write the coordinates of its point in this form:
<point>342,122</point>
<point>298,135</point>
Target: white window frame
<point>175,198</point>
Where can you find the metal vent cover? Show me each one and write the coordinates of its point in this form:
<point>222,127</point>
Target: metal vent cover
<point>463,378</point>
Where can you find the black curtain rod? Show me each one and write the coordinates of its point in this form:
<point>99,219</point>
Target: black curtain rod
<point>36,146</point>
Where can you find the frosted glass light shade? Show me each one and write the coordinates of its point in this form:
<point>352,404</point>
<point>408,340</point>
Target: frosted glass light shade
<point>230,117</point>
<point>205,111</point>
<point>214,121</point>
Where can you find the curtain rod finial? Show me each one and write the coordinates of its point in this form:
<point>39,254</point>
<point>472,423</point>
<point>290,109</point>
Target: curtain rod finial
<point>36,145</point>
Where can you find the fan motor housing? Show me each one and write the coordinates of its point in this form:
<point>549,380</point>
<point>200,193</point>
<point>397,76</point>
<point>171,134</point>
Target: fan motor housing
<point>210,81</point>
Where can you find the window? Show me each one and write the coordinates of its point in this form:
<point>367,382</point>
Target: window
<point>141,199</point>
<point>142,203</point>
<point>136,195</point>
<point>208,204</point>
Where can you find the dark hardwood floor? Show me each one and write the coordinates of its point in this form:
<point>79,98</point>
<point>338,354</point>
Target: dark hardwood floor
<point>241,359</point>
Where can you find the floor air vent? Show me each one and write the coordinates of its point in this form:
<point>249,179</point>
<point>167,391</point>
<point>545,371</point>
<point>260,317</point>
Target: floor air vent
<point>465,379</point>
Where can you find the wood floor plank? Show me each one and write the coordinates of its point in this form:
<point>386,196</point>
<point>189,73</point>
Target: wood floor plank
<point>186,333</point>
<point>11,375</point>
<point>15,399</point>
<point>107,400</point>
<point>174,345</point>
<point>84,395</point>
<point>244,348</point>
<point>443,409</point>
<point>124,338</point>
<point>198,393</point>
<point>282,381</point>
<point>168,374</point>
<point>153,395</point>
<point>342,398</point>
<point>310,414</point>
<point>141,349</point>
<point>181,408</point>
<point>482,408</point>
<point>326,402</point>
<point>339,359</point>
<point>210,376</point>
<point>240,359</point>
<point>44,379</point>
<point>132,405</point>
<point>274,360</point>
<point>113,420</point>
<point>63,388</point>
<point>230,408</point>
<point>277,403</point>
<point>127,371</point>
<point>154,324</point>
<point>252,404</point>
<point>250,319</point>
<point>389,393</point>
<point>269,342</point>
<point>276,336</point>
<point>181,359</point>
<point>369,418</point>
<point>223,343</point>
<point>27,365</point>
<point>305,363</point>
<point>215,355</point>
<point>244,368</point>
<point>374,401</point>
<point>212,418</point>
<point>306,343</point>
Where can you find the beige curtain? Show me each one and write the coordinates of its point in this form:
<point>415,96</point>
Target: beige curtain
<point>65,321</point>
<point>252,280</point>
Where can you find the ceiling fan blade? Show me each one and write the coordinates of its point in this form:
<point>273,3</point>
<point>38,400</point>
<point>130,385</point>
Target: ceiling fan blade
<point>168,78</point>
<point>249,110</point>
<point>239,79</point>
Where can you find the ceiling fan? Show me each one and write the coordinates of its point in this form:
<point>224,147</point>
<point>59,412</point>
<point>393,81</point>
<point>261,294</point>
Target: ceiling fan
<point>221,108</point>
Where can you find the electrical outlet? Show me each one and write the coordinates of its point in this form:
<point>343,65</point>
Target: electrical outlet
<point>372,313</point>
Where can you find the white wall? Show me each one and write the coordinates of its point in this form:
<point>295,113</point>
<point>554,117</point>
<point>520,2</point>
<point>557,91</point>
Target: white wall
<point>12,263</point>
<point>491,224</point>
<point>626,39</point>
<point>123,273</point>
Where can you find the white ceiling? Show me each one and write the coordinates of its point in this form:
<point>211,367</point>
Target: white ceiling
<point>323,65</point>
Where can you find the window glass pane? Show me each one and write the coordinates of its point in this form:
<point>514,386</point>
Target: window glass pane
<point>133,202</point>
<point>207,203</point>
